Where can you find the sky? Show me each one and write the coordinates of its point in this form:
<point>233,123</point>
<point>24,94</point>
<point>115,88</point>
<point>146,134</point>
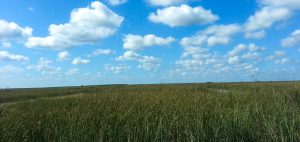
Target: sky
<point>84,42</point>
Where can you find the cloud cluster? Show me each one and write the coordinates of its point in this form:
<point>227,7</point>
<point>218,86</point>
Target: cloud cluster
<point>183,15</point>
<point>44,67</point>
<point>241,59</point>
<point>116,69</point>
<point>213,35</point>
<point>137,42</point>
<point>278,57</point>
<point>148,63</point>
<point>6,56</point>
<point>86,26</point>
<point>243,51</point>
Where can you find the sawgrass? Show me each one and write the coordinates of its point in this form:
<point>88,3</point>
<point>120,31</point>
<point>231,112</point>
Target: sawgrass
<point>174,112</point>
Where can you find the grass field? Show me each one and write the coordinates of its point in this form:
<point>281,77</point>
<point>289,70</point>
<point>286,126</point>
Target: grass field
<point>239,112</point>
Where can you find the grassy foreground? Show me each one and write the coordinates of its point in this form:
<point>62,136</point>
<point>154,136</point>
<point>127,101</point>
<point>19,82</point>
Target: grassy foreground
<point>177,112</point>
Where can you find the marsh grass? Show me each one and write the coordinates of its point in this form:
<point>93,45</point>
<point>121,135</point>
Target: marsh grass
<point>175,112</point>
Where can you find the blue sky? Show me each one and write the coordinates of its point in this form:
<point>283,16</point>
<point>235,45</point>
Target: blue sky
<point>84,42</point>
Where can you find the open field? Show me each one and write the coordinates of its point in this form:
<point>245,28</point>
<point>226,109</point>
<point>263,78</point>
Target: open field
<point>174,112</point>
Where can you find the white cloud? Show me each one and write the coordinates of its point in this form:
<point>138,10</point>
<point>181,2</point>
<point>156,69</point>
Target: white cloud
<point>63,56</point>
<point>200,61</point>
<point>12,31</point>
<point>237,50</point>
<point>243,51</point>
<point>116,2</point>
<point>72,71</point>
<point>292,40</point>
<point>265,18</point>
<point>128,55</point>
<point>6,44</point>
<point>166,2</point>
<point>44,67</point>
<point>9,69</point>
<point>148,63</point>
<point>213,35</point>
<point>279,57</point>
<point>137,42</point>
<point>117,68</point>
<point>282,61</point>
<point>277,54</point>
<point>183,15</point>
<point>291,4</point>
<point>78,61</point>
<point>103,52</point>
<point>6,56</point>
<point>86,26</point>
<point>271,12</point>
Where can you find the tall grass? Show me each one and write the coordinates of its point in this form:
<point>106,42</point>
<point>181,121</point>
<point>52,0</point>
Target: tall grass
<point>183,112</point>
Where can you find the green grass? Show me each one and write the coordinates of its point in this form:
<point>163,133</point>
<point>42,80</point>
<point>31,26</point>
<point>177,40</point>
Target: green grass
<point>175,112</point>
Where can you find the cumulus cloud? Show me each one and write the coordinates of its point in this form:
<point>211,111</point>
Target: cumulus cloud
<point>44,66</point>
<point>197,60</point>
<point>116,2</point>
<point>116,69</point>
<point>86,26</point>
<point>265,18</point>
<point>6,56</point>
<point>103,52</point>
<point>270,13</point>
<point>213,35</point>
<point>148,63</point>
<point>12,31</point>
<point>137,42</point>
<point>278,57</point>
<point>292,40</point>
<point>79,61</point>
<point>63,56</point>
<point>183,15</point>
<point>166,2</point>
<point>243,51</point>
